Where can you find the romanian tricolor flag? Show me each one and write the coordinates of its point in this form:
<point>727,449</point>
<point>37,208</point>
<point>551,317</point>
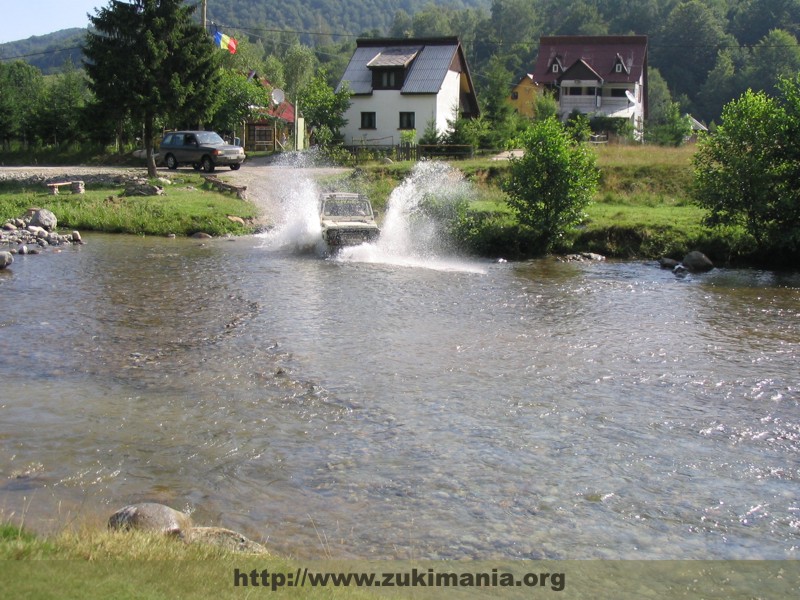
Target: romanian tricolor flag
<point>225,42</point>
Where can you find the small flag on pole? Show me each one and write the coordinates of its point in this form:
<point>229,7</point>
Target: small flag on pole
<point>225,42</point>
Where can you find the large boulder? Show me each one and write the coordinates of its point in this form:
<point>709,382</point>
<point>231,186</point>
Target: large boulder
<point>6,258</point>
<point>43,218</point>
<point>697,262</point>
<point>150,516</point>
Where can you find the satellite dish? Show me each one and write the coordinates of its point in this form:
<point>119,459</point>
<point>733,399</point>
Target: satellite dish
<point>278,96</point>
<point>630,96</point>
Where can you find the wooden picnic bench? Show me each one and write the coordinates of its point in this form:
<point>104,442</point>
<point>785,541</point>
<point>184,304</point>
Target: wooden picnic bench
<point>77,187</point>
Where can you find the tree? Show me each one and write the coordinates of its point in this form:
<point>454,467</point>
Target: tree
<point>60,109</point>
<point>149,60</point>
<point>691,26</point>
<point>323,107</point>
<point>746,172</point>
<point>299,65</point>
<point>671,129</point>
<point>20,85</point>
<point>240,95</point>
<point>553,181</point>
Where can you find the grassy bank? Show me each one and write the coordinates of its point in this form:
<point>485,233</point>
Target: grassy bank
<point>642,209</point>
<point>95,564</point>
<point>188,206</point>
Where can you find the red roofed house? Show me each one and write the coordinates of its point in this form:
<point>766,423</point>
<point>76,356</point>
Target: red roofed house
<point>596,75</point>
<point>271,127</point>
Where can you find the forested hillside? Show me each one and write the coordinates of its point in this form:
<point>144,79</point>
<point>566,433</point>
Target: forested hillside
<point>372,17</point>
<point>47,52</point>
<point>702,53</point>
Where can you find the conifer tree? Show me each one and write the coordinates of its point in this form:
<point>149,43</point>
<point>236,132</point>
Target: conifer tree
<point>148,60</point>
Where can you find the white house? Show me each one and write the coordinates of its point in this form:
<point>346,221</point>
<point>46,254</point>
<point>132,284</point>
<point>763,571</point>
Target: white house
<point>399,85</point>
<point>596,75</point>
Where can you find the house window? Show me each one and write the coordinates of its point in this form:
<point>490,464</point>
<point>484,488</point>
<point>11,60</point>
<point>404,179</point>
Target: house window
<point>407,120</point>
<point>617,93</point>
<point>368,120</point>
<point>514,95</point>
<point>555,67</point>
<point>618,68</point>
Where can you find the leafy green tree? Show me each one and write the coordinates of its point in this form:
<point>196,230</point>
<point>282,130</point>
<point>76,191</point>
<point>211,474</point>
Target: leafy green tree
<point>545,106</point>
<point>691,26</point>
<point>324,108</point>
<point>746,172</point>
<point>299,65</point>
<point>20,85</point>
<point>775,56</point>
<point>551,184</point>
<point>149,60</point>
<point>239,96</point>
<point>61,105</point>
<point>671,129</point>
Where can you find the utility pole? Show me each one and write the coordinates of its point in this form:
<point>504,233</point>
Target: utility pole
<point>203,14</point>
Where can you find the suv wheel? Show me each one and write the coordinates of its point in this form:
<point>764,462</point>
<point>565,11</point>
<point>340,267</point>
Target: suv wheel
<point>235,167</point>
<point>207,165</point>
<point>171,162</point>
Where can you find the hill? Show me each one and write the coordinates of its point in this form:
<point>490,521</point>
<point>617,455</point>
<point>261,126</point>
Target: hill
<point>47,52</point>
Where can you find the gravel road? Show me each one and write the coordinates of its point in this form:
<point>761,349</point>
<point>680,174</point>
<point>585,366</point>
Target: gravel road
<point>267,180</point>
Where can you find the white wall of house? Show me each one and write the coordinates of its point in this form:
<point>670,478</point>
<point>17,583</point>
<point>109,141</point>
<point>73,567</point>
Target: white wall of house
<point>387,106</point>
<point>602,100</point>
<point>447,102</point>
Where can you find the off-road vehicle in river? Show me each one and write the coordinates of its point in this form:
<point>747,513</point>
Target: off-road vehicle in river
<point>347,220</point>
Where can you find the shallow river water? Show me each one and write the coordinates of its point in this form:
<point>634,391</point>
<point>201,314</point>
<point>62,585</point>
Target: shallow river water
<point>363,406</point>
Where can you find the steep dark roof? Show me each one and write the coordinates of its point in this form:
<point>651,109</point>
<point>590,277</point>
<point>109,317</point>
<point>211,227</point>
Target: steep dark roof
<point>592,54</point>
<point>427,59</point>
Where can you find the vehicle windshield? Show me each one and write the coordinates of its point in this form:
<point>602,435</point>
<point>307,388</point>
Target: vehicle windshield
<point>209,138</point>
<point>346,208</point>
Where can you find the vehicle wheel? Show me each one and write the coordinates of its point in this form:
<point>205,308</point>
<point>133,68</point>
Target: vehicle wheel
<point>207,165</point>
<point>235,167</point>
<point>171,162</point>
<point>196,166</point>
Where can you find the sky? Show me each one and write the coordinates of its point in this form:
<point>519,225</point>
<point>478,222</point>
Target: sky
<point>24,18</point>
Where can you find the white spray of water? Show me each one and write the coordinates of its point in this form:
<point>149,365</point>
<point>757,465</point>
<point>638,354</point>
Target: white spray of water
<point>296,204</point>
<point>411,235</point>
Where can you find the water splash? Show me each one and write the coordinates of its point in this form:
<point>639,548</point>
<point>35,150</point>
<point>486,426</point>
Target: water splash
<point>412,233</point>
<point>296,201</point>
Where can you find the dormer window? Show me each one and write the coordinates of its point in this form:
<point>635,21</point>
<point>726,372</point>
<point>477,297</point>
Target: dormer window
<point>555,67</point>
<point>390,67</point>
<point>618,68</point>
<point>387,79</point>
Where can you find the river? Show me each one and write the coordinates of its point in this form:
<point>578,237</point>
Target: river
<point>404,404</point>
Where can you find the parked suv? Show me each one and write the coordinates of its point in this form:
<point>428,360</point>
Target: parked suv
<point>202,149</point>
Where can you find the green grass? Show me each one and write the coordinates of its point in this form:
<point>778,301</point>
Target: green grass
<point>187,207</point>
<point>642,209</point>
<point>93,563</point>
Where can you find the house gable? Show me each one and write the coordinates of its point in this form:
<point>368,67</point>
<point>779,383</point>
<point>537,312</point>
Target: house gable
<point>402,84</point>
<point>601,75</point>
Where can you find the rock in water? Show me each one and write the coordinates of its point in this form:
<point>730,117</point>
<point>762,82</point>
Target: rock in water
<point>6,258</point>
<point>150,516</point>
<point>697,262</point>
